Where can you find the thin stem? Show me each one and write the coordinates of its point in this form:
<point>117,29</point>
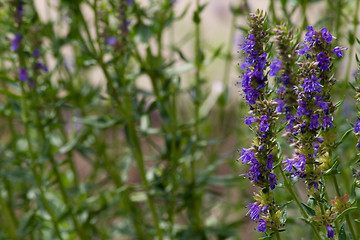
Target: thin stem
<point>297,201</point>
<point>11,225</point>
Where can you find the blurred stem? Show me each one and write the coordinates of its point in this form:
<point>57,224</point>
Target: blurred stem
<point>37,177</point>
<point>305,22</point>
<point>302,210</point>
<point>40,129</point>
<point>355,25</point>
<point>11,225</point>
<point>277,234</point>
<point>196,206</point>
<point>273,12</point>
<point>339,7</point>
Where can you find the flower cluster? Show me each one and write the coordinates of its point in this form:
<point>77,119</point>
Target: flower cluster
<point>263,116</point>
<point>314,108</point>
<point>17,46</point>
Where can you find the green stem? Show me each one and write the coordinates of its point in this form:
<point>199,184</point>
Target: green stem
<point>297,201</point>
<point>277,234</point>
<point>11,225</point>
<point>34,163</point>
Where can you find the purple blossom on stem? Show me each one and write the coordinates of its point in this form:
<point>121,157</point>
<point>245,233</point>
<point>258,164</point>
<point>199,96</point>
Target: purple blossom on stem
<point>36,53</point>
<point>275,67</point>
<point>330,231</point>
<point>312,85</point>
<point>326,35</point>
<point>249,120</point>
<point>303,50</point>
<point>289,162</point>
<point>300,163</point>
<point>301,110</point>
<point>327,122</point>
<point>280,106</point>
<point>310,33</point>
<point>15,43</point>
<point>249,44</point>
<point>39,65</point>
<point>321,103</point>
<point>272,180</point>
<point>264,125</point>
<point>323,61</point>
<point>262,226</point>
<point>338,51</point>
<point>314,121</point>
<point>247,155</point>
<point>357,126</point>
<point>254,211</point>
<point>23,76</point>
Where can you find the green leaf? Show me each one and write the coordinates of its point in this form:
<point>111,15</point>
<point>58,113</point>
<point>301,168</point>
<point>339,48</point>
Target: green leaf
<point>342,233</point>
<point>345,212</point>
<point>333,168</point>
<point>99,122</point>
<point>308,209</point>
<point>343,138</point>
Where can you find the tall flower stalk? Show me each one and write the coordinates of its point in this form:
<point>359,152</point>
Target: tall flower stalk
<point>260,156</point>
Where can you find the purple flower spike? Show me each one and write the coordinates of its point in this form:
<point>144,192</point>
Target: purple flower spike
<point>330,231</point>
<point>326,35</point>
<point>357,126</point>
<point>262,226</point>
<point>303,50</point>
<point>254,211</point>
<point>111,40</point>
<point>15,43</point>
<point>264,125</point>
<point>23,75</point>
<point>272,180</point>
<point>280,106</point>
<point>321,103</point>
<point>275,67</point>
<point>338,51</point>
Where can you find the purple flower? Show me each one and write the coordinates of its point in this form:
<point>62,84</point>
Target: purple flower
<point>300,163</point>
<point>315,184</point>
<point>15,43</point>
<point>338,51</point>
<point>323,61</point>
<point>327,121</point>
<point>262,61</point>
<point>249,120</point>
<point>264,125</point>
<point>247,155</point>
<point>314,121</point>
<point>23,75</point>
<point>321,103</point>
<point>301,110</point>
<point>39,65</point>
<point>357,126</point>
<point>320,140</point>
<point>254,211</point>
<point>130,2</point>
<point>262,226</point>
<point>251,95</point>
<point>254,171</point>
<point>289,162</point>
<point>275,67</point>
<point>312,85</point>
<point>249,44</point>
<point>309,34</point>
<point>303,50</point>
<point>20,8</point>
<point>269,162</point>
<point>272,180</point>
<point>246,79</point>
<point>326,35</point>
<point>111,40</point>
<point>280,106</point>
<point>330,231</point>
<point>36,53</point>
